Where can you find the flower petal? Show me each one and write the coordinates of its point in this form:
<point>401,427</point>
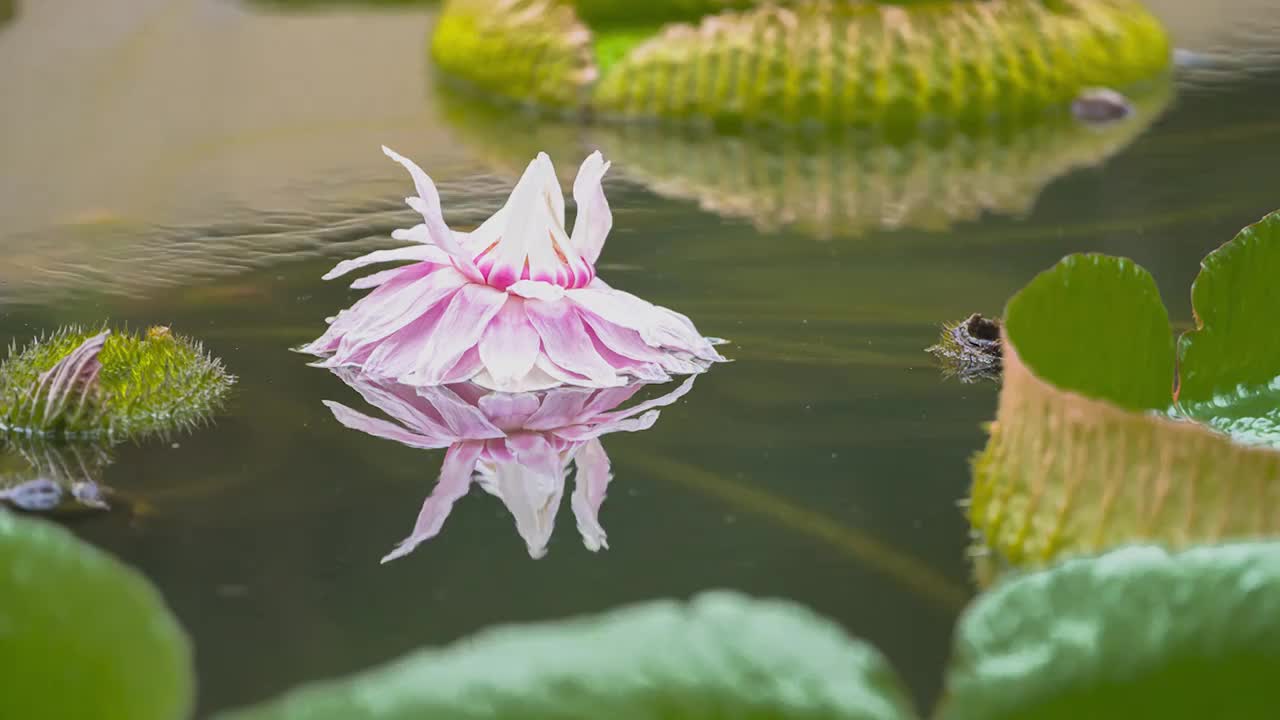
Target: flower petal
<point>377,316</point>
<point>455,480</point>
<point>595,219</point>
<point>509,345</point>
<point>591,482</point>
<point>567,344</point>
<point>420,253</point>
<point>658,326</point>
<point>536,290</point>
<point>428,205</point>
<point>459,329</point>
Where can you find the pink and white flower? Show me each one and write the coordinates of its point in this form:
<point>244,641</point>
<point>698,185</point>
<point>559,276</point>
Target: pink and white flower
<point>517,446</point>
<point>514,305</point>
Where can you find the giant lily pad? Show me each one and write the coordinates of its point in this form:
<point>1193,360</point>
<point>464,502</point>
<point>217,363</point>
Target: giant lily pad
<point>1137,633</point>
<point>1230,375</point>
<point>83,636</point>
<point>1089,449</point>
<point>749,62</point>
<point>721,655</point>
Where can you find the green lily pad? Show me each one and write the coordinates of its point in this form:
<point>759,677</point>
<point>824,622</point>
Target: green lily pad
<point>82,636</point>
<point>1136,633</point>
<point>883,65</point>
<point>721,655</point>
<point>1088,450</point>
<point>1096,325</point>
<point>1230,365</point>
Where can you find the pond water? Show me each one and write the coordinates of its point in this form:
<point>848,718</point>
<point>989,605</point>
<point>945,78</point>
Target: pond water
<point>201,164</point>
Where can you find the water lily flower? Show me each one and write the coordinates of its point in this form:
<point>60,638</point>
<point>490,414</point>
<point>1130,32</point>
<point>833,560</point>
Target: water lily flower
<point>514,305</point>
<point>518,447</point>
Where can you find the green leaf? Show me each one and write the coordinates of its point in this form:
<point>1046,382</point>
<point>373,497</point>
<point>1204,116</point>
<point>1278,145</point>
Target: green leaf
<point>1230,365</point>
<point>1137,633</point>
<point>720,656</point>
<point>1095,325</point>
<point>83,636</point>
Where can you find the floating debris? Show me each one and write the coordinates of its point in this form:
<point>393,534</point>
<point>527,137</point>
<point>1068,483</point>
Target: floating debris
<point>1101,106</point>
<point>970,349</point>
<point>76,384</point>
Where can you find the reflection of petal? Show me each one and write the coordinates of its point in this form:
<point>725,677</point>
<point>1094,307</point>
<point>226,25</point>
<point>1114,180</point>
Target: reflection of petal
<point>455,480</point>
<point>590,484</point>
<point>530,484</point>
<point>663,401</point>
<point>384,429</point>
<point>517,446</point>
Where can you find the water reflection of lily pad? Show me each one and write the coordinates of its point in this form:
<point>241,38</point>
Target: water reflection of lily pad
<point>1088,449</point>
<point>824,186</point>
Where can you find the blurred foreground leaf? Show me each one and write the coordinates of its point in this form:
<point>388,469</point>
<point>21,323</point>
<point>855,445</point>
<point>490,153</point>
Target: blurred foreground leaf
<point>82,636</point>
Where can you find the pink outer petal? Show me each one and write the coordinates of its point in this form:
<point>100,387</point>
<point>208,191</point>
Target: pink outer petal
<point>509,345</point>
<point>591,483</point>
<point>420,253</point>
<point>595,219</point>
<point>377,279</point>
<point>459,329</point>
<point>381,314</point>
<point>658,326</point>
<point>399,291</point>
<point>428,205</point>
<point>568,344</point>
<point>455,480</point>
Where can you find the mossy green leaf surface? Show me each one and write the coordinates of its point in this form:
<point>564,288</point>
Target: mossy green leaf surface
<point>1136,633</point>
<point>1095,325</point>
<point>884,65</point>
<point>1230,365</point>
<point>150,382</point>
<point>1087,452</point>
<point>82,636</point>
<point>720,656</point>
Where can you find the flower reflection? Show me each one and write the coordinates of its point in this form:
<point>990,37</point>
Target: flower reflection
<point>516,446</point>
